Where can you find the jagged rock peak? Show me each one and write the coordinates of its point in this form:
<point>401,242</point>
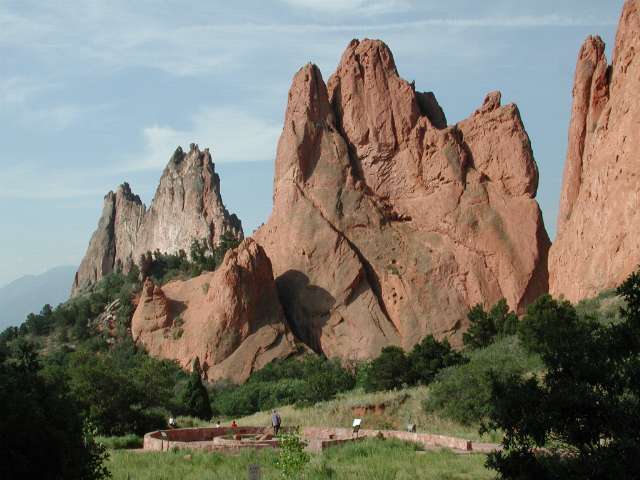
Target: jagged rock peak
<point>125,190</point>
<point>596,247</point>
<point>388,225</point>
<point>187,205</point>
<point>491,102</point>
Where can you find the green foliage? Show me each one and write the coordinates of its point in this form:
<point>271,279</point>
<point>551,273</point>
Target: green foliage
<point>43,434</point>
<point>292,458</point>
<point>303,381</point>
<point>195,395</point>
<point>203,257</point>
<point>429,357</point>
<point>605,307</point>
<point>73,320</point>
<point>485,327</point>
<point>391,369</point>
<point>121,390</point>
<point>585,408</point>
<point>121,442</point>
<point>463,393</point>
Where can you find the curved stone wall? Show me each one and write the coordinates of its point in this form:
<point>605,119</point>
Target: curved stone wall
<point>317,439</point>
<point>209,439</point>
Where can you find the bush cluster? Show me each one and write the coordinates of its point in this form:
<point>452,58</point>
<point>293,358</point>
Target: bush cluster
<point>44,434</point>
<point>463,393</point>
<point>300,381</point>
<point>486,327</point>
<point>203,257</point>
<point>121,389</point>
<point>394,368</point>
<point>585,408</point>
<point>71,321</point>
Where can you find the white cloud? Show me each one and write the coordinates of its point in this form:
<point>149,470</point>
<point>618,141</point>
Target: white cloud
<point>24,100</point>
<point>365,7</point>
<point>116,35</point>
<point>231,135</point>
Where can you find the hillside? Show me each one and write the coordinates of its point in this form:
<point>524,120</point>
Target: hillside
<point>29,293</point>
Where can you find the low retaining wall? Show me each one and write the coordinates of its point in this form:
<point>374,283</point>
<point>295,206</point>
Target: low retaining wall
<point>424,439</point>
<point>318,445</point>
<point>206,438</point>
<point>214,439</point>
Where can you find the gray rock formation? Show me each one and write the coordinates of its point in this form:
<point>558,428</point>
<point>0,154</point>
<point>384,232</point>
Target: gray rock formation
<point>187,205</point>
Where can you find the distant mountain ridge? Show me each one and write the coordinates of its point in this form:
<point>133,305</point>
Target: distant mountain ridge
<point>29,293</point>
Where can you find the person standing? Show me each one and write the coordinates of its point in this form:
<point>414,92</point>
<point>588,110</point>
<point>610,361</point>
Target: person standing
<point>275,422</point>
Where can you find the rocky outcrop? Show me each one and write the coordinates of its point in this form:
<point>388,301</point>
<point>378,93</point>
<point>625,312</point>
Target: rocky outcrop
<point>388,225</point>
<point>187,205</point>
<point>597,245</point>
<point>113,241</point>
<point>230,319</point>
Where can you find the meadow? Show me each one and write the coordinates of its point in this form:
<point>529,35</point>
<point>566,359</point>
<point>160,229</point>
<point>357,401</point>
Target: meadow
<point>370,459</point>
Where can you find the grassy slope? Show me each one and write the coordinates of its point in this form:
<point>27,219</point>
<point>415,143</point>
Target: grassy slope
<point>400,407</point>
<point>370,460</point>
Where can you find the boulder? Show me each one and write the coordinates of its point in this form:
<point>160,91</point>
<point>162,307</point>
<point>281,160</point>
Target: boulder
<point>230,319</point>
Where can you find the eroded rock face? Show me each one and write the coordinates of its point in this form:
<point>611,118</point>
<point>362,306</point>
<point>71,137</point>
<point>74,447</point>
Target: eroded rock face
<point>597,245</point>
<point>113,241</point>
<point>230,319</point>
<point>187,205</point>
<point>388,225</point>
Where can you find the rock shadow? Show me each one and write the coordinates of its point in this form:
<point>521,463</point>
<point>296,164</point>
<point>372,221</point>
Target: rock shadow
<point>307,307</point>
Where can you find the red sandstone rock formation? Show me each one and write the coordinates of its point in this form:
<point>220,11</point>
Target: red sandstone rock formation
<point>597,244</point>
<point>187,205</point>
<point>230,319</point>
<point>388,225</point>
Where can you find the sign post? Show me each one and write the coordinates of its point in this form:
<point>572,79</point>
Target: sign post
<point>356,426</point>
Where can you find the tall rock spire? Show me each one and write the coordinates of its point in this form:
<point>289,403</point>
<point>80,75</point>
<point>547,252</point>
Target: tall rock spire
<point>597,243</point>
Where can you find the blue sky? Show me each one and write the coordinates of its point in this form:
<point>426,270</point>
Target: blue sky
<point>93,93</point>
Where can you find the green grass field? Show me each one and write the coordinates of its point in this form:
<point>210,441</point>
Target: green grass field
<point>370,460</point>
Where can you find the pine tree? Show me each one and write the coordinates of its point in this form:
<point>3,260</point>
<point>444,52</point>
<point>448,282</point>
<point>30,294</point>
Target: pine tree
<point>196,398</point>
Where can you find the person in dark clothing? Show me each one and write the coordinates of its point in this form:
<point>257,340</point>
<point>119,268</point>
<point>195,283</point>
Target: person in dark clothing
<point>275,422</point>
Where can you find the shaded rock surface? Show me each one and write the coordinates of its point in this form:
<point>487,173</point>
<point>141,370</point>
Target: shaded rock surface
<point>187,205</point>
<point>231,319</point>
<point>597,244</point>
<point>388,224</point>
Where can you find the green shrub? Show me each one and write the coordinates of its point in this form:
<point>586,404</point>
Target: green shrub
<point>300,381</point>
<point>122,442</point>
<point>43,434</point>
<point>390,370</point>
<point>121,390</point>
<point>203,257</point>
<point>195,395</point>
<point>430,356</point>
<point>292,458</point>
<point>585,408</point>
<point>605,307</point>
<point>485,328</point>
<point>463,393</point>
